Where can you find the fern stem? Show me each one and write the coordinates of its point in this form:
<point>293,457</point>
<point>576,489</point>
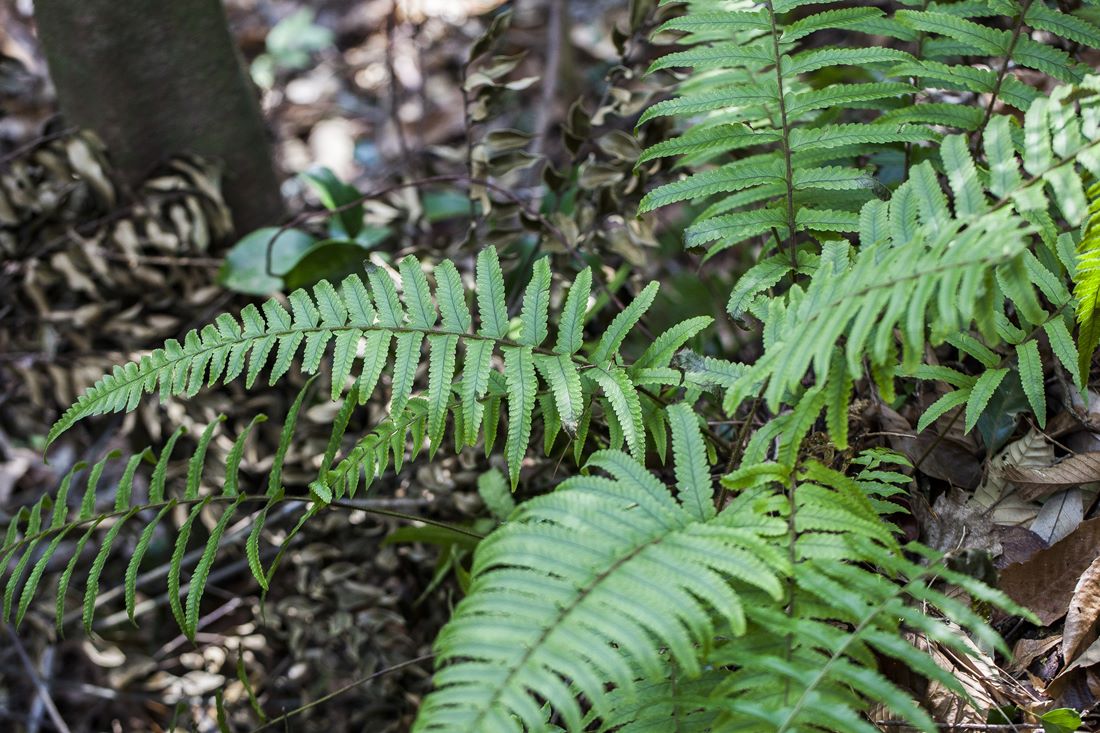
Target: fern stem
<point>791,238</point>
<point>336,693</point>
<point>838,653</point>
<point>737,448</point>
<point>245,498</point>
<point>1002,72</point>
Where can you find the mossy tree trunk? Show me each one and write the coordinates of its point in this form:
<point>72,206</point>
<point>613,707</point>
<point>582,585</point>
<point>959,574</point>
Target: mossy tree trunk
<point>155,79</point>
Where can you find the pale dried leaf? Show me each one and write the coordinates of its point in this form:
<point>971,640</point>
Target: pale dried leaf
<point>1036,482</point>
<point>1083,611</point>
<point>1031,450</point>
<point>1059,516</point>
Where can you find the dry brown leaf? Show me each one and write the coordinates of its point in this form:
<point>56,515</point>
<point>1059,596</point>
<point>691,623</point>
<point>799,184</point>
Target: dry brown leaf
<point>1027,651</point>
<point>1083,611</point>
<point>1059,516</point>
<point>1031,450</point>
<point>944,458</point>
<point>1071,673</point>
<point>1017,545</point>
<point>952,523</point>
<point>1036,482</point>
<point>1045,582</point>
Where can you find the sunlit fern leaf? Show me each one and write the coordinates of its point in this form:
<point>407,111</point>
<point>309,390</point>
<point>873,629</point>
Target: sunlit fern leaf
<point>924,230</point>
<point>557,568</point>
<point>1086,279</point>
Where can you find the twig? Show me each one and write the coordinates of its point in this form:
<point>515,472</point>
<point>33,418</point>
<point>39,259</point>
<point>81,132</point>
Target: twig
<point>378,193</point>
<point>325,698</point>
<point>395,97</point>
<point>224,610</point>
<point>37,142</point>
<point>1021,728</point>
<point>38,706</point>
<point>42,691</point>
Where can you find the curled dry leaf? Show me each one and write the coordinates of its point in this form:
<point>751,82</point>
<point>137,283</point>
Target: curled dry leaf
<point>1083,612</point>
<point>1027,651</point>
<point>1032,450</point>
<point>1036,482</point>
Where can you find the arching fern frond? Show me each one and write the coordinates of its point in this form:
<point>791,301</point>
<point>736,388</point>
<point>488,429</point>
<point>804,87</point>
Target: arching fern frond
<point>584,585</point>
<point>677,608</point>
<point>374,325</point>
<point>51,520</point>
<point>959,266</point>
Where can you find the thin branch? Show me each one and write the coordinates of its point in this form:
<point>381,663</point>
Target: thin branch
<point>792,240</point>
<point>306,216</point>
<point>336,693</point>
<point>40,686</point>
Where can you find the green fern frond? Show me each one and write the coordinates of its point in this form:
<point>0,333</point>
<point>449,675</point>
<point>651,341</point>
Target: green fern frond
<point>939,243</point>
<point>1086,284</point>
<point>734,650</point>
<point>361,320</point>
<point>568,559</point>
<point>50,521</point>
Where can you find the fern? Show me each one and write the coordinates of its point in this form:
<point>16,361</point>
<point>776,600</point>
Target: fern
<point>748,94</point>
<point>30,528</point>
<point>925,269</point>
<point>361,321</point>
<point>760,101</point>
<point>695,593</point>
<point>635,600</point>
<point>1087,285</point>
<point>951,31</point>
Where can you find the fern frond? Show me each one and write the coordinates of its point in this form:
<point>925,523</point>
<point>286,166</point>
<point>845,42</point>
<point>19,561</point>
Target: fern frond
<point>358,321</point>
<point>1086,283</point>
<point>561,565</point>
<point>932,237</point>
<point>733,651</point>
<point>50,521</point>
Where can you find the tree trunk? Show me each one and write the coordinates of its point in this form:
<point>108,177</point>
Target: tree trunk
<point>155,79</point>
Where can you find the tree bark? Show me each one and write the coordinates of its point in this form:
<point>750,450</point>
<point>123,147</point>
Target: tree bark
<point>155,79</point>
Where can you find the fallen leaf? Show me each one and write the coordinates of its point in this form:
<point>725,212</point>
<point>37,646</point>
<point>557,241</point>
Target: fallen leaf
<point>1018,544</point>
<point>1036,482</point>
<point>1059,516</point>
<point>1027,651</point>
<point>1032,450</point>
<point>953,523</point>
<point>1045,582</point>
<point>945,458</point>
<point>1083,611</point>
